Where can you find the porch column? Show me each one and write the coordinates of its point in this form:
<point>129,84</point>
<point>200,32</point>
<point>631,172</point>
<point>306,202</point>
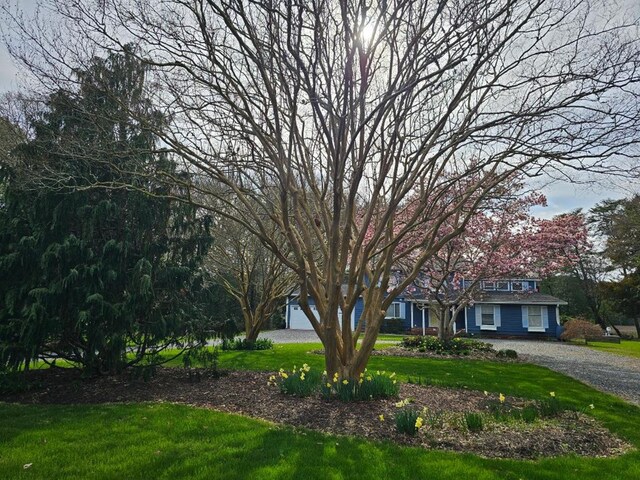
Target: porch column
<point>412,325</point>
<point>424,331</point>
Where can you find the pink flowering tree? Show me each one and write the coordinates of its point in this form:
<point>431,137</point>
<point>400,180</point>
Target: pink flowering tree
<point>501,240</point>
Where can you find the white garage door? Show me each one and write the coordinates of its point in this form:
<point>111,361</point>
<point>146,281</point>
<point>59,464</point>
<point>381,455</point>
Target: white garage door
<point>299,321</point>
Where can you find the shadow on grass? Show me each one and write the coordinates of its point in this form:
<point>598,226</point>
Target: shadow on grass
<point>172,441</point>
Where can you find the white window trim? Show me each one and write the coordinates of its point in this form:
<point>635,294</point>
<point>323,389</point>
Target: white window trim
<point>496,319</point>
<point>544,313</point>
<point>486,287</point>
<point>386,315</point>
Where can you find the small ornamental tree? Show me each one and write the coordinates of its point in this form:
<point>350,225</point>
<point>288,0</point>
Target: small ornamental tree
<point>251,273</point>
<point>104,279</point>
<point>501,239</point>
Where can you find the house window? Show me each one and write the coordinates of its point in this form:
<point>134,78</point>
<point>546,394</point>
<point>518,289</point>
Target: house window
<point>517,286</point>
<point>502,286</point>
<point>393,311</point>
<point>489,285</point>
<point>535,317</point>
<point>488,315</point>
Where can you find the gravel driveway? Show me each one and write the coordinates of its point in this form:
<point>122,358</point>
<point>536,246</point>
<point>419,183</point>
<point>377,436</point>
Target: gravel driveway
<point>605,371</point>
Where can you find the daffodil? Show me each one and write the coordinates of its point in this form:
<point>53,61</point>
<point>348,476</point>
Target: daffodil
<point>369,378</point>
<point>591,406</point>
<point>328,385</point>
<point>324,373</point>
<point>392,375</point>
<point>553,394</point>
<point>381,417</point>
<point>284,375</point>
<point>302,376</point>
<point>486,393</point>
<point>502,398</point>
<point>419,423</point>
<point>345,382</point>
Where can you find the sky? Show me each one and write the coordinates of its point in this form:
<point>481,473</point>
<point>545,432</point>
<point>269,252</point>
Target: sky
<point>561,196</point>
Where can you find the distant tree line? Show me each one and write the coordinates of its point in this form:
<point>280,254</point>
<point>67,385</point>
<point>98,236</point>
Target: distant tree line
<point>604,283</point>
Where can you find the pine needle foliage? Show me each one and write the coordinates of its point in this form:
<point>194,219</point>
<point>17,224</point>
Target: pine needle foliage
<point>105,278</point>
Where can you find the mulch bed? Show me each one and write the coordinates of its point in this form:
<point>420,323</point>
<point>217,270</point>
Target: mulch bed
<point>247,393</point>
<point>397,351</point>
<point>472,355</point>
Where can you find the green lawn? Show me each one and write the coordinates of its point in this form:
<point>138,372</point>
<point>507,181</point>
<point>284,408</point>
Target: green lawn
<point>173,441</point>
<point>629,348</point>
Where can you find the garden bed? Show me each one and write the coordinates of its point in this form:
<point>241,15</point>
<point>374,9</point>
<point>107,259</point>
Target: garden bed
<point>247,393</point>
<point>399,351</point>
<point>473,355</point>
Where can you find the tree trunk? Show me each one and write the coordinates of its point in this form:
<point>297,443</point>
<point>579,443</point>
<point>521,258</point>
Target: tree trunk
<point>444,324</point>
<point>251,334</point>
<point>614,328</point>
<point>636,320</point>
<point>343,358</point>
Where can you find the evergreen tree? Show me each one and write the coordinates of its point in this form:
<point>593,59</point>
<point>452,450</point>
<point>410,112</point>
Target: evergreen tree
<point>104,278</point>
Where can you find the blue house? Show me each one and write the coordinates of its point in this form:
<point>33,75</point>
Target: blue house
<point>508,307</point>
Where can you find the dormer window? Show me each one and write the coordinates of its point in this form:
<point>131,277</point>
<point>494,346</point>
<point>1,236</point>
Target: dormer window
<point>502,286</point>
<point>517,286</point>
<point>489,285</point>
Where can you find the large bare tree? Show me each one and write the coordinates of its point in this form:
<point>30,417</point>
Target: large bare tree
<point>348,108</point>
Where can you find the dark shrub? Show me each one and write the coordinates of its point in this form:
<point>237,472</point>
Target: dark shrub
<point>392,325</point>
<point>199,362</point>
<point>243,344</point>
<point>456,346</point>
<point>507,353</point>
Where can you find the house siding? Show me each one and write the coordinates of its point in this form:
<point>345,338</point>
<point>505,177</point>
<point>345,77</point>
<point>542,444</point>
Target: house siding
<point>359,308</point>
<point>511,322</point>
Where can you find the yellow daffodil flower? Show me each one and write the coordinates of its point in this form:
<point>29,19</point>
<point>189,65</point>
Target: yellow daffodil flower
<point>502,398</point>
<point>553,394</point>
<point>419,422</point>
<point>381,418</point>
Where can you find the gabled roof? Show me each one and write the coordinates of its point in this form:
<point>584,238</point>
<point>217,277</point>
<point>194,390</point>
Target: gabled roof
<point>520,298</point>
<point>516,298</point>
